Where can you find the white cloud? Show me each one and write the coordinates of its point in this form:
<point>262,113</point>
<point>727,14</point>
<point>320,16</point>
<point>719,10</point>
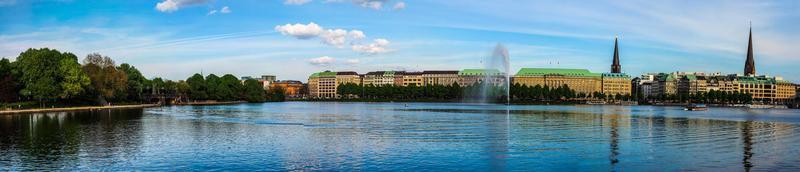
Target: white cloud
<point>322,61</point>
<point>212,12</point>
<point>300,31</point>
<point>333,37</point>
<point>169,6</point>
<point>296,2</point>
<point>225,10</point>
<point>399,5</point>
<point>357,34</point>
<point>376,47</point>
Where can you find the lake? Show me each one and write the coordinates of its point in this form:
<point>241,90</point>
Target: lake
<point>331,136</point>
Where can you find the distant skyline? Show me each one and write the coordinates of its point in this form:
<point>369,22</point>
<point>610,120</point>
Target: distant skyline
<point>291,39</point>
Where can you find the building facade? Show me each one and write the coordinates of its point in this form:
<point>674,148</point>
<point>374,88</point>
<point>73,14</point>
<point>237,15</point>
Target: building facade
<point>439,77</point>
<point>322,85</point>
<point>616,84</point>
<point>291,88</point>
<point>379,78</point>
<point>474,76</point>
<point>412,79</point>
<point>580,80</point>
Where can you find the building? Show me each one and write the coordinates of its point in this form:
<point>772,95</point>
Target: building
<point>616,84</point>
<point>473,76</point>
<point>292,89</point>
<point>580,80</point>
<point>322,85</point>
<point>379,78</point>
<point>644,84</point>
<point>439,77</point>
<point>412,78</point>
<point>348,77</point>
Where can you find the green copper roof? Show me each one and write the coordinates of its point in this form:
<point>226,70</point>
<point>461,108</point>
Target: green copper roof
<point>479,72</point>
<point>323,74</point>
<point>755,80</point>
<point>556,71</point>
<point>615,75</point>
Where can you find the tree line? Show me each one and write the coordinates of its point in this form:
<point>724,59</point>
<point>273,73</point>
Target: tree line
<point>49,77</point>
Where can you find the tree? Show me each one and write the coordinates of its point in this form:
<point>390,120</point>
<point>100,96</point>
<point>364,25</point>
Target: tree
<point>253,90</point>
<point>49,74</point>
<point>277,94</point>
<point>9,86</point>
<point>213,87</point>
<point>136,82</point>
<point>230,88</point>
<point>197,87</point>
<point>106,80</point>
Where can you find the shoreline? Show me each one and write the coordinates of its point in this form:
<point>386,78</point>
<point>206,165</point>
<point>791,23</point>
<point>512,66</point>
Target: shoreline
<point>72,109</point>
<point>91,108</point>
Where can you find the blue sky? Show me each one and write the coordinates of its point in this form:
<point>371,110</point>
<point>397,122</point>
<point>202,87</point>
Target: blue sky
<point>293,38</point>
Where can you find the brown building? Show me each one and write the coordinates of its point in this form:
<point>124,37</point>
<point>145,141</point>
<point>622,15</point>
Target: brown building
<point>291,88</point>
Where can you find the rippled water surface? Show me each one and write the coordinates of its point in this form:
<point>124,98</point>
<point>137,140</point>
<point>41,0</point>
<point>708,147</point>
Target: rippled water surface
<point>402,137</point>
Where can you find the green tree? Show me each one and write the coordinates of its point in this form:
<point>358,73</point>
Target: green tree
<point>213,87</point>
<point>197,87</point>
<point>136,82</point>
<point>230,88</point>
<point>254,91</point>
<point>49,74</point>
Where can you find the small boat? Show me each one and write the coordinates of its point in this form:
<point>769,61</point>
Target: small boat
<point>696,107</point>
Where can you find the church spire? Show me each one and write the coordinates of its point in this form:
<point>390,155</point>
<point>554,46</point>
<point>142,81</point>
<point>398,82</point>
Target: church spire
<point>749,65</point>
<point>615,67</point>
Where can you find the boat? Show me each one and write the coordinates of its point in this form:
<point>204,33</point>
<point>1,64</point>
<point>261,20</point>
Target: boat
<point>696,107</point>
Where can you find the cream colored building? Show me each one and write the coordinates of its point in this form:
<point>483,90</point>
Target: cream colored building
<point>580,80</point>
<point>473,76</point>
<point>616,84</point>
<point>379,78</point>
<point>412,78</point>
<point>322,85</point>
<point>439,77</point>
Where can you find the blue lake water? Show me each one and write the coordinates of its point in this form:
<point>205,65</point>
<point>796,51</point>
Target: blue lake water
<point>329,136</point>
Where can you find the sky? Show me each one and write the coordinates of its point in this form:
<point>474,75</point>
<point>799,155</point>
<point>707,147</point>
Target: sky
<point>291,39</point>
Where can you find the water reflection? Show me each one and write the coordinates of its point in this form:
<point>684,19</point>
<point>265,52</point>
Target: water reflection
<point>57,140</point>
<point>309,136</point>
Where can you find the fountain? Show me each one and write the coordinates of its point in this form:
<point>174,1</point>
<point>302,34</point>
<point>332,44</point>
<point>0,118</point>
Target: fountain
<point>499,62</point>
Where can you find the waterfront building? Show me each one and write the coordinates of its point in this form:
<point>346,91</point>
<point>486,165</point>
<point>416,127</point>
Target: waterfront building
<point>580,80</point>
<point>347,77</point>
<point>616,84</point>
<point>412,78</point>
<point>644,84</point>
<point>439,77</point>
<point>473,76</point>
<point>291,88</point>
<point>322,85</point>
<point>379,78</point>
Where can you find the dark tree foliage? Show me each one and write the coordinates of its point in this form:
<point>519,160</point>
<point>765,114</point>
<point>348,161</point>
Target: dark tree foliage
<point>213,87</point>
<point>9,85</point>
<point>197,87</point>
<point>253,91</point>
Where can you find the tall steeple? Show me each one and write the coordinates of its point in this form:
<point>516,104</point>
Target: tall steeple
<point>615,67</point>
<point>750,64</point>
